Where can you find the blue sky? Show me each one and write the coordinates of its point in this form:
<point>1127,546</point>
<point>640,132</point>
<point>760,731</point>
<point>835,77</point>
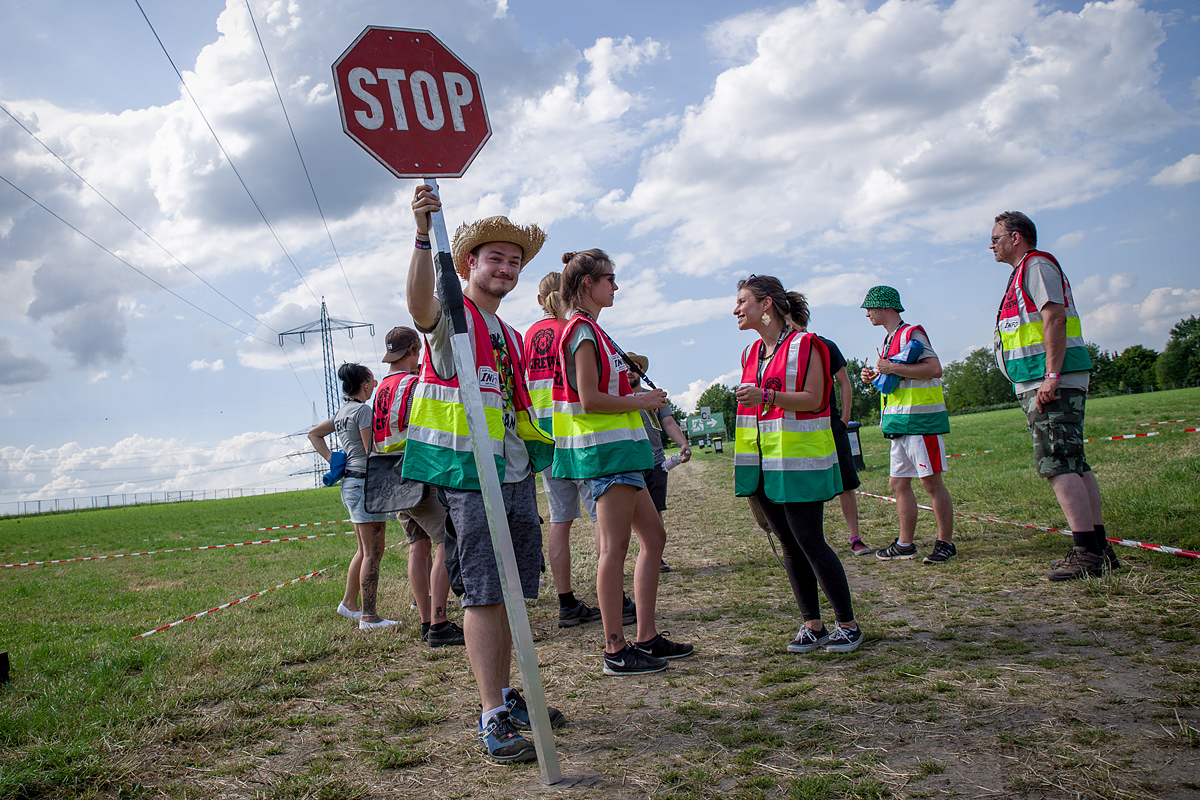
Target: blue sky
<point>835,144</point>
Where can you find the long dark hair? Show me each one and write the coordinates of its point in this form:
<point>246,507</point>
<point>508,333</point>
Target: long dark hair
<point>587,263</point>
<point>789,305</point>
<point>354,377</point>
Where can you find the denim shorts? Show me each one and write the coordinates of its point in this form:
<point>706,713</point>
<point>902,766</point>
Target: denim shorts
<point>353,496</point>
<point>605,482</point>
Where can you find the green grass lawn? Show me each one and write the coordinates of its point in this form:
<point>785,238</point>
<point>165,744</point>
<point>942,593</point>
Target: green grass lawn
<point>86,702</point>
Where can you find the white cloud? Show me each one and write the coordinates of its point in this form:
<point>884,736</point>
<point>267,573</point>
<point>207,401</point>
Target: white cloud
<point>1118,324</point>
<point>1184,171</point>
<point>203,364</point>
<point>1069,240</point>
<point>687,400</point>
<point>912,119</point>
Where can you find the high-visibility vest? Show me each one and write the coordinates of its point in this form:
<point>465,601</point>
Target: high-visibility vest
<point>439,441</point>
<point>389,427</point>
<point>589,444</point>
<point>915,407</point>
<point>1020,341</point>
<point>791,453</point>
<point>541,344</point>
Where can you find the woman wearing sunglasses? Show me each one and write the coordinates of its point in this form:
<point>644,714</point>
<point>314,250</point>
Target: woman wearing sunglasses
<point>598,436</point>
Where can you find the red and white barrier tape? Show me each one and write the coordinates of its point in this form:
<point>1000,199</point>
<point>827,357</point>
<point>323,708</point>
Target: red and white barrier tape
<point>232,603</point>
<point>251,596</point>
<point>304,525</point>
<point>175,550</point>
<point>1140,435</point>
<point>1161,548</point>
<point>976,453</point>
<point>1164,422</point>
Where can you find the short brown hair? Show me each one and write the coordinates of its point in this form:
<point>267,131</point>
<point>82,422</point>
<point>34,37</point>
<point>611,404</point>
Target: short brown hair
<point>1016,222</point>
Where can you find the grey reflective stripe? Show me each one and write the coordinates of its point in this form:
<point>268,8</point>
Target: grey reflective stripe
<point>745,459</point>
<point>1040,348</point>
<point>930,409</point>
<point>449,441</point>
<point>450,394</point>
<point>567,407</point>
<point>542,383</point>
<point>601,437</point>
<point>793,363</point>
<point>745,421</point>
<point>793,425</point>
<point>541,413</point>
<point>800,464</point>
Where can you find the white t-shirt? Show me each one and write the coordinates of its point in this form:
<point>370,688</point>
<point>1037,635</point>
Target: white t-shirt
<point>516,457</point>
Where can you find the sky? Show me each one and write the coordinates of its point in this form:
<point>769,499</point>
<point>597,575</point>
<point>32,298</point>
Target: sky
<point>835,144</point>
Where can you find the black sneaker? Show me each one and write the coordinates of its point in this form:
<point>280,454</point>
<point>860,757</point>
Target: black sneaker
<point>518,712</point>
<point>808,640</point>
<point>449,636</point>
<point>662,647</point>
<point>632,661</point>
<point>843,640</point>
<point>570,617</point>
<point>897,551</point>
<point>942,552</point>
<point>502,742</point>
<point>629,613</point>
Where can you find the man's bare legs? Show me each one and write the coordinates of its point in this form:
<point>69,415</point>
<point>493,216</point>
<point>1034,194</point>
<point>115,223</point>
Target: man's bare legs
<point>943,506</point>
<point>489,649</point>
<point>906,507</point>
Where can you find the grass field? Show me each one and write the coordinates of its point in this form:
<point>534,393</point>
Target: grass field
<point>978,678</point>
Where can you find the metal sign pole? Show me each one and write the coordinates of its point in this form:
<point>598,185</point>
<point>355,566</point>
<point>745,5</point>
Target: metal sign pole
<point>450,295</point>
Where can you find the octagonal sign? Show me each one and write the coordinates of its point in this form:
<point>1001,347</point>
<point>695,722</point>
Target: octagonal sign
<point>411,103</point>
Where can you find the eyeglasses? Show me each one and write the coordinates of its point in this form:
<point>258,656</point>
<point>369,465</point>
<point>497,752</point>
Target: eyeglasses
<point>1001,236</point>
<point>611,277</point>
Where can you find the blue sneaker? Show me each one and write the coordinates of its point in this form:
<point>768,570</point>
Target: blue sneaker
<point>518,712</point>
<point>502,742</point>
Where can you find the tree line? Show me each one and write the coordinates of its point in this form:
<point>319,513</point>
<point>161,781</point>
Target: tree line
<point>976,384</point>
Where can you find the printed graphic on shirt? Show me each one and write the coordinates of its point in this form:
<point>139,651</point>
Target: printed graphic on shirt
<point>507,384</point>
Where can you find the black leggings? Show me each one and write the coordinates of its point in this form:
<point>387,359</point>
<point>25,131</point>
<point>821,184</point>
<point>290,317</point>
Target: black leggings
<point>808,558</point>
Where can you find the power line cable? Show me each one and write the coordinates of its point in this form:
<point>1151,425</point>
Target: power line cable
<point>225,153</point>
<point>295,142</point>
<point>142,230</point>
<point>131,266</point>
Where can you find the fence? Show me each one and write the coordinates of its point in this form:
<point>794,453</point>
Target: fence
<point>27,507</point>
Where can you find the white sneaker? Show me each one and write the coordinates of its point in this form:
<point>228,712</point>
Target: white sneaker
<point>353,616</point>
<point>363,625</point>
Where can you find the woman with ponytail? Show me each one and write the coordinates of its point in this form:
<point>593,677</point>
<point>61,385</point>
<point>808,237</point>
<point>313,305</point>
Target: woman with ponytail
<point>352,423</point>
<point>785,458</point>
<point>563,496</point>
<point>599,437</point>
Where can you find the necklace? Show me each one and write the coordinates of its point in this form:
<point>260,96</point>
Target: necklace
<point>762,353</point>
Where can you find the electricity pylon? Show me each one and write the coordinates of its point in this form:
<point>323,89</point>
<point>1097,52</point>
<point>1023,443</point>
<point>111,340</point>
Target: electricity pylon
<point>326,325</point>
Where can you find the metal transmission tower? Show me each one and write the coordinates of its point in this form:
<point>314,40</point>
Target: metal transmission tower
<point>326,325</point>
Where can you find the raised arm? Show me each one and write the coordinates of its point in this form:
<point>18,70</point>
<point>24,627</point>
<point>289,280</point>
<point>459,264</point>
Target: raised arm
<point>422,302</point>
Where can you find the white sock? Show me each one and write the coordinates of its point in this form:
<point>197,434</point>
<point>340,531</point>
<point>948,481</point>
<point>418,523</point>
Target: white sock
<point>486,716</point>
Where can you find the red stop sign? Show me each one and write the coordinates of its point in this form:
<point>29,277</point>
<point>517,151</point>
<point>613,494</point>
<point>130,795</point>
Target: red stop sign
<point>411,103</point>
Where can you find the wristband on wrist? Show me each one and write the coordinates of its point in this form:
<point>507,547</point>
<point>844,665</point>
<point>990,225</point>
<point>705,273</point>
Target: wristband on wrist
<point>1054,375</point>
<point>423,244</point>
<point>765,403</point>
<point>424,236</point>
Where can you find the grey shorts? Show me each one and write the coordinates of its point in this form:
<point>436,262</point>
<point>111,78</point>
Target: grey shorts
<point>563,496</point>
<point>477,559</point>
<point>426,520</point>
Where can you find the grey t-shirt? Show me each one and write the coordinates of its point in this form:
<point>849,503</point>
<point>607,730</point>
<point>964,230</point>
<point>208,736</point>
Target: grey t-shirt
<point>348,422</point>
<point>516,457</point>
<point>655,434</point>
<point>1044,283</point>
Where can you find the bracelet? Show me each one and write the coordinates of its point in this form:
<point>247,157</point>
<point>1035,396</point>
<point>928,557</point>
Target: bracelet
<point>766,404</point>
<point>1054,375</point>
<point>424,236</point>
<point>423,245</point>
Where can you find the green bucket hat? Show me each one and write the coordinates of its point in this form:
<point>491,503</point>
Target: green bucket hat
<point>882,297</point>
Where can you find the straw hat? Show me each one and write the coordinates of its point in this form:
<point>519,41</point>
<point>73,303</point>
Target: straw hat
<point>642,362</point>
<point>529,238</point>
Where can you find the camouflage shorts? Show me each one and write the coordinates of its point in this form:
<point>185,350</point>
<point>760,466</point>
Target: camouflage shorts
<point>1057,432</point>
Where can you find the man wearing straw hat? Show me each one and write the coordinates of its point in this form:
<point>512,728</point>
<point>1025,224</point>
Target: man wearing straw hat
<point>489,255</point>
